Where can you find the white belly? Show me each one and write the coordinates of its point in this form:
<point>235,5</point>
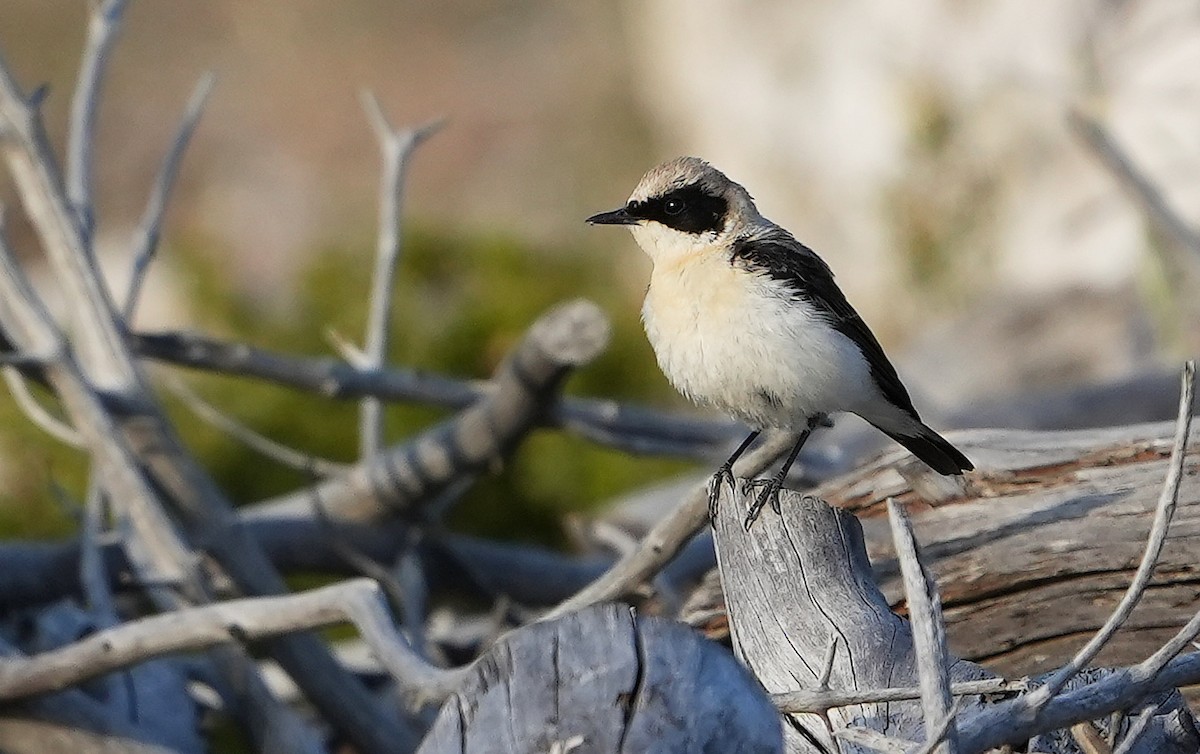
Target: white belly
<point>735,341</point>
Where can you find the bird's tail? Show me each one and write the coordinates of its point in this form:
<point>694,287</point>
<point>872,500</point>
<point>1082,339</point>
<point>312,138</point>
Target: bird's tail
<point>933,449</point>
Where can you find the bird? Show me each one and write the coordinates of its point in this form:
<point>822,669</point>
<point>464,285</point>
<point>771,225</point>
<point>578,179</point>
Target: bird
<point>744,318</point>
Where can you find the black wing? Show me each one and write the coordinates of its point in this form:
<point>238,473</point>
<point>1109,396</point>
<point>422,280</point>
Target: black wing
<point>785,259</point>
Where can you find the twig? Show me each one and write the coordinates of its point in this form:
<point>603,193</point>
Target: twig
<point>104,23</point>
<point>1089,740</point>
<point>34,410</point>
<point>393,589</point>
<point>623,426</point>
<point>100,342</point>
<point>1136,728</point>
<point>395,147</point>
<point>669,535</point>
<point>1167,501</point>
<point>401,476</point>
<point>929,634</point>
<point>1145,193</point>
<point>1037,712</point>
<point>13,358</point>
<point>259,443</point>
<point>356,601</point>
<point>92,574</point>
<point>937,736</point>
<point>145,239</point>
<point>873,739</point>
<point>817,701</point>
<point>827,664</point>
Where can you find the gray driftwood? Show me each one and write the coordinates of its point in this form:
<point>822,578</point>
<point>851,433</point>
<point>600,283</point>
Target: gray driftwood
<point>795,584</point>
<point>605,680</point>
<point>805,613</point>
<point>1037,548</point>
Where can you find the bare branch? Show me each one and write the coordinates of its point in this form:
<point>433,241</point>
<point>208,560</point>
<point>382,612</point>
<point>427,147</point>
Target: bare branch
<point>935,738</point>
<point>873,739</point>
<point>1145,193</point>
<point>396,147</point>
<point>259,443</point>
<point>818,701</point>
<point>145,244</point>
<point>929,634</point>
<point>35,171</point>
<point>669,535</point>
<point>569,335</point>
<point>627,427</point>
<point>1136,729</point>
<point>161,560</point>
<point>104,23</point>
<point>1158,532</point>
<point>827,664</point>
<point>92,575</point>
<point>1089,740</point>
<point>35,411</point>
<point>357,601</point>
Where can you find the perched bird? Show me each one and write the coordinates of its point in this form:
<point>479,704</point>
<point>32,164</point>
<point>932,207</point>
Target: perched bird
<point>745,318</point>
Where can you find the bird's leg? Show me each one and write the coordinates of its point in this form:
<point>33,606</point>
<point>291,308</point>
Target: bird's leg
<point>725,474</point>
<point>771,487</point>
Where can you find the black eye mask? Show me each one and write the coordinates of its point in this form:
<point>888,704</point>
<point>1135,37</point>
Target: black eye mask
<point>689,209</point>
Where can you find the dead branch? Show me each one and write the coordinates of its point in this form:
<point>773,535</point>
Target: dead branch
<point>629,427</point>
<point>668,537</point>
<point>145,245</point>
<point>929,635</point>
<point>138,440</point>
<point>566,337</point>
<point>396,147</point>
<point>357,601</point>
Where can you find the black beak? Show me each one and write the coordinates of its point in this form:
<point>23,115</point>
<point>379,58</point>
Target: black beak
<point>616,217</point>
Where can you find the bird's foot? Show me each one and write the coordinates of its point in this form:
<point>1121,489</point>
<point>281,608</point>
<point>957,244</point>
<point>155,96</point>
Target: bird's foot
<point>723,475</point>
<point>769,493</point>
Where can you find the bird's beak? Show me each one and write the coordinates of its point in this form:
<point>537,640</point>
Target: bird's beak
<point>616,217</point>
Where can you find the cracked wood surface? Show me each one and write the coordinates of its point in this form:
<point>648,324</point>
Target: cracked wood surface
<point>1035,550</point>
<point>603,680</point>
<point>794,582</point>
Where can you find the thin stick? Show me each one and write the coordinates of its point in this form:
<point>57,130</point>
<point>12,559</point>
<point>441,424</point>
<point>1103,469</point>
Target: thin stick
<point>817,701</point>
<point>873,739</point>
<point>669,535</point>
<point>104,23</point>
<point>149,230</point>
<point>37,413</point>
<point>1145,193</point>
<point>629,427</point>
<point>929,635</point>
<point>357,601</point>
<point>827,663</point>
<point>396,147</point>
<point>1136,728</point>
<point>1167,501</point>
<point>93,576</point>
<point>936,737</point>
<point>259,443</point>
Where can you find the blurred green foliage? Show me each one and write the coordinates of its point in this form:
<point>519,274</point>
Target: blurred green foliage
<point>461,303</point>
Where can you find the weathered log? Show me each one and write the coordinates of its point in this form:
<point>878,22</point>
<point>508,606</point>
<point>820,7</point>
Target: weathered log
<point>604,680</point>
<point>795,584</point>
<point>1036,548</point>
<point>1026,553</point>
<point>800,583</point>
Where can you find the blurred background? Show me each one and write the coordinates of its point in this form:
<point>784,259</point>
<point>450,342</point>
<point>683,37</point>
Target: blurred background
<point>922,148</point>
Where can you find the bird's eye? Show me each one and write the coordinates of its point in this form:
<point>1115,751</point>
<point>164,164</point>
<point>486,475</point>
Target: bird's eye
<point>673,206</point>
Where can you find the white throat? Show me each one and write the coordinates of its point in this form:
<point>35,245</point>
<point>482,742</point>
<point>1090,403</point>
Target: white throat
<point>667,246</point>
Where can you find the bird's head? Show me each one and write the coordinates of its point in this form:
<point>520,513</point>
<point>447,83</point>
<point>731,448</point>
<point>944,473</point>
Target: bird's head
<point>683,207</point>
